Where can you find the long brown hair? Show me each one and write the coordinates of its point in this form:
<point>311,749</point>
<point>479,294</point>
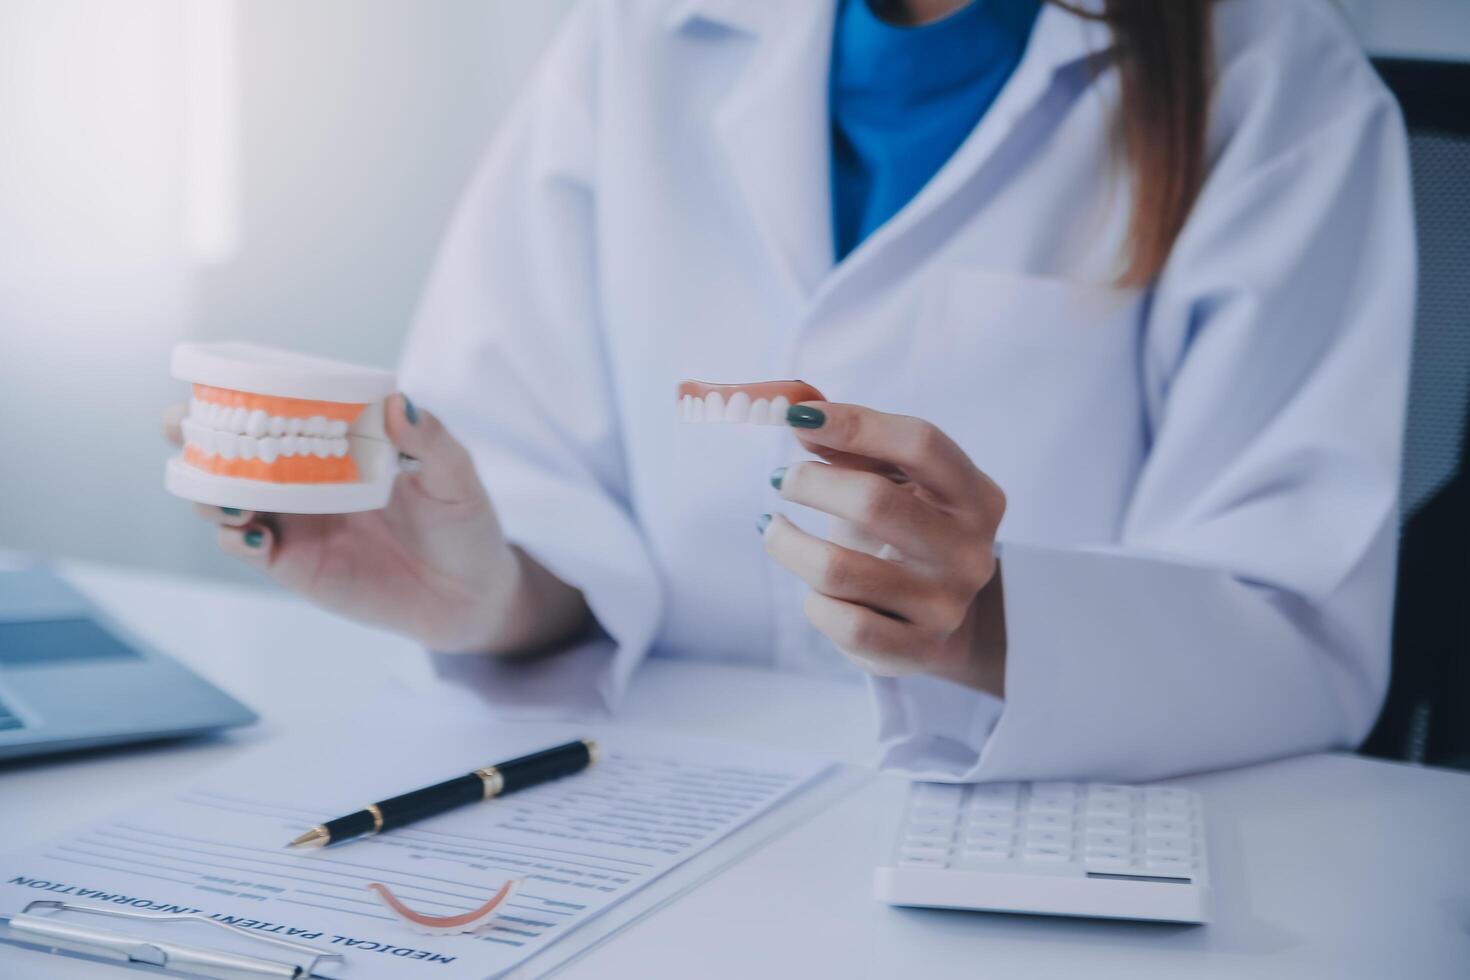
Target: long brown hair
<point>1162,51</point>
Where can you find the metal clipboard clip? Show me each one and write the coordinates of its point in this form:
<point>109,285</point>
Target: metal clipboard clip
<point>53,933</point>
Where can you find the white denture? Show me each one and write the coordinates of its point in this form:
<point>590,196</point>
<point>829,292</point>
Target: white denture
<point>737,409</point>
<point>214,432</point>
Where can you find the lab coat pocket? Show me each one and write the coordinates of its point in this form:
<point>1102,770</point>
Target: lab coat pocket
<point>1038,380</point>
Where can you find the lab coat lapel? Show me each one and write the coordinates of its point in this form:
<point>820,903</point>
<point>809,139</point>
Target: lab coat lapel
<point>1061,42</point>
<point>773,128</point>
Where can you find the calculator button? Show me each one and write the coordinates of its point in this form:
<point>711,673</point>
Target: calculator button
<point>1048,838</point>
<point>1051,805</point>
<point>991,817</point>
<point>1003,793</point>
<point>924,851</point>
<point>930,813</point>
<point>1109,842</point>
<point>929,832</point>
<point>1048,821</point>
<point>1109,807</point>
<point>1166,827</point>
<point>987,853</point>
<point>1166,807</point>
<point>1053,788</point>
<point>1106,859</point>
<point>1162,794</point>
<point>1053,855</point>
<point>930,792</point>
<point>1177,846</point>
<point>918,862</point>
<point>1173,864</point>
<point>1108,825</point>
<point>988,835</point>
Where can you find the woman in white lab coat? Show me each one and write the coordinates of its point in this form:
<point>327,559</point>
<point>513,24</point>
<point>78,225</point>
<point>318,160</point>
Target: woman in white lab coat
<point>1122,383</point>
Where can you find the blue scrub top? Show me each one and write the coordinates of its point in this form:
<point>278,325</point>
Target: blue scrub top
<point>904,98</point>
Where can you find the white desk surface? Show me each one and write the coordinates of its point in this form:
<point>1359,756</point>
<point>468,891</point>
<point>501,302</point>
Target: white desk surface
<point>1323,866</point>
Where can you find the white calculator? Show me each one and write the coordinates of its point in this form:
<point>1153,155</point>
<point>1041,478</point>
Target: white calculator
<point>1094,849</point>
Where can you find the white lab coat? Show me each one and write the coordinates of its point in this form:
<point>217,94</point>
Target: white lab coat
<point>1198,553</point>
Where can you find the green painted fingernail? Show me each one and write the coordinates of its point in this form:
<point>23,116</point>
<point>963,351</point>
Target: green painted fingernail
<point>409,412</point>
<point>232,511</point>
<point>762,522</point>
<point>805,417</point>
<point>254,539</point>
<point>777,475</point>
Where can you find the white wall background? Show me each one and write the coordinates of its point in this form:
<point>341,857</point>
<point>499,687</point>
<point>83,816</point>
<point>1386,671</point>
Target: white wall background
<point>278,170</point>
<point>348,130</point>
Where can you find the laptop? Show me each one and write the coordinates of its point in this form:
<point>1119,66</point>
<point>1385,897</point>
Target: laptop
<point>70,678</point>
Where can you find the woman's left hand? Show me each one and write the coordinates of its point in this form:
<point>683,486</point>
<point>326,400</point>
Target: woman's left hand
<point>929,602</point>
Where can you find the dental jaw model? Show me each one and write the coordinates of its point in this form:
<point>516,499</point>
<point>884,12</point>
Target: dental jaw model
<point>276,431</point>
<point>760,403</point>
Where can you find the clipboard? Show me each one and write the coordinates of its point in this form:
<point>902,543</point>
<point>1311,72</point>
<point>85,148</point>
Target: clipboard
<point>41,926</point>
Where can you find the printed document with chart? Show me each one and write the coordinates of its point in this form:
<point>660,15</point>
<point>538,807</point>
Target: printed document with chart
<point>578,845</point>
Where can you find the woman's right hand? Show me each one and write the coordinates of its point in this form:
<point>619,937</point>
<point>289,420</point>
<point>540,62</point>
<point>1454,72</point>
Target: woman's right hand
<point>432,565</point>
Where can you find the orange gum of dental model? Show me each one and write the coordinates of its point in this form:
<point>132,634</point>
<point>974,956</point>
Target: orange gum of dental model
<point>300,408</point>
<point>301,467</point>
<point>792,391</point>
<point>465,922</point>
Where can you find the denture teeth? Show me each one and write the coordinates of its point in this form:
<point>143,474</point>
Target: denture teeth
<point>316,426</point>
<point>245,446</point>
<point>714,407</point>
<point>224,445</point>
<point>760,412</point>
<point>338,446</point>
<point>256,423</point>
<point>238,419</point>
<point>290,445</point>
<point>337,428</point>
<point>779,405</point>
<point>318,447</point>
<point>738,408</point>
<point>276,426</point>
<point>268,450</point>
<point>293,427</point>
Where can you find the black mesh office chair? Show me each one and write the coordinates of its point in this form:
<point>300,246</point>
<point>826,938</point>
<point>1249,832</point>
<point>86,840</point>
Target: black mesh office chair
<point>1427,715</point>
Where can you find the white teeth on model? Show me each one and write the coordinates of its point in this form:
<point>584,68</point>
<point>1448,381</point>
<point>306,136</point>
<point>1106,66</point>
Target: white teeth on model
<point>738,408</point>
<point>230,445</point>
<point>249,434</point>
<point>714,407</point>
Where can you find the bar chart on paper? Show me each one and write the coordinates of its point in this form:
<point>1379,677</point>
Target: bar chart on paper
<point>575,847</point>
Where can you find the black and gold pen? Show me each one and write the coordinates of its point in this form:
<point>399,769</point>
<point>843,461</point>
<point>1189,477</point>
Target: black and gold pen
<point>482,784</point>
